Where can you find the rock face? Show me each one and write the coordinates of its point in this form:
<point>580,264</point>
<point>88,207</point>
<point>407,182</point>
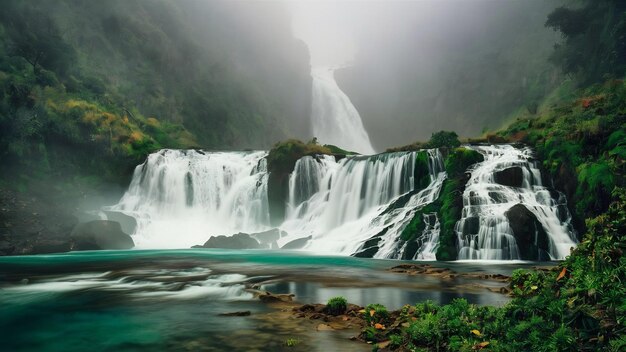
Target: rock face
<point>269,238</point>
<point>532,239</point>
<point>128,223</point>
<point>512,176</point>
<point>297,244</point>
<point>100,234</point>
<point>236,241</point>
<point>32,225</point>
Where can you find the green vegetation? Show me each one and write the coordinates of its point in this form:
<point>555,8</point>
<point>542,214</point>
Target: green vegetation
<point>283,155</point>
<point>441,139</point>
<point>291,342</point>
<point>118,80</point>
<point>447,207</point>
<point>444,139</point>
<point>579,134</point>
<point>421,174</point>
<point>578,306</point>
<point>594,40</point>
<point>281,161</point>
<point>336,305</point>
<point>582,144</point>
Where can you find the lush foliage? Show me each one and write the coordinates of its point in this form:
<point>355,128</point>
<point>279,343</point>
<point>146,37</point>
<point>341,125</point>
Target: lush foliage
<point>578,306</point>
<point>441,139</point>
<point>444,139</point>
<point>121,79</point>
<point>336,305</point>
<point>447,206</point>
<point>595,39</point>
<point>582,143</point>
<point>283,155</point>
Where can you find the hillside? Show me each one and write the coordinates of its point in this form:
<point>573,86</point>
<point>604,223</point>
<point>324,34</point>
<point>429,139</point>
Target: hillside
<point>121,79</point>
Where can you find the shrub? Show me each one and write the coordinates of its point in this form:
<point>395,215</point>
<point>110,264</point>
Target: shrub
<point>444,139</point>
<point>336,305</point>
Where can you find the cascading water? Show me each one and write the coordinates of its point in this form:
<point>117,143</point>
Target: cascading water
<point>358,205</point>
<point>334,118</point>
<point>484,230</point>
<point>352,200</point>
<point>181,197</point>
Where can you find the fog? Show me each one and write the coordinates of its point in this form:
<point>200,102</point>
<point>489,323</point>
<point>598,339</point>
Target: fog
<point>415,67</point>
<point>233,75</point>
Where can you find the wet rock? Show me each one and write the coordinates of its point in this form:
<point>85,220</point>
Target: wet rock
<point>6,247</point>
<point>236,314</point>
<point>44,246</point>
<point>269,297</point>
<point>532,239</point>
<point>297,244</point>
<point>324,327</point>
<point>269,238</point>
<point>128,223</point>
<point>30,224</point>
<point>471,226</point>
<point>512,177</point>
<point>236,241</point>
<point>100,234</point>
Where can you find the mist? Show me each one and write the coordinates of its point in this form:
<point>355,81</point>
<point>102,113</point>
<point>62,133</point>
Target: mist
<point>416,67</point>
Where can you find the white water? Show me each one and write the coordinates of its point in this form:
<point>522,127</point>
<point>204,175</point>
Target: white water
<point>488,200</point>
<point>334,118</point>
<point>182,197</point>
<point>351,200</point>
<point>390,246</point>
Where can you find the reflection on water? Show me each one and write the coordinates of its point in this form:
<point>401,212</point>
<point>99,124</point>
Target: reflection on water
<point>170,300</point>
<point>391,297</point>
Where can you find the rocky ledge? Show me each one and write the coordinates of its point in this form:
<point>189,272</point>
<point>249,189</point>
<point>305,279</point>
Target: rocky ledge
<point>31,225</point>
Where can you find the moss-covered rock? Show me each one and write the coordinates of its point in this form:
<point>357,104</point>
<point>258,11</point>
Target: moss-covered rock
<point>447,206</point>
<point>281,161</point>
<point>421,173</point>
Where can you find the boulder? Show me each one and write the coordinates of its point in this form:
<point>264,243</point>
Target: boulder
<point>297,244</point>
<point>236,241</point>
<point>269,238</point>
<point>128,223</point>
<point>243,313</point>
<point>471,226</point>
<point>268,297</point>
<point>532,239</point>
<point>100,234</point>
<point>30,224</point>
<point>512,177</point>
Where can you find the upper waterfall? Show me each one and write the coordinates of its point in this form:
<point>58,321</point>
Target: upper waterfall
<point>334,118</point>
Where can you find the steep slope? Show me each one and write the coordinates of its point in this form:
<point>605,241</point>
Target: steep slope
<point>211,74</point>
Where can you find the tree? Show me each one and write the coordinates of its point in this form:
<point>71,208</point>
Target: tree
<point>34,36</point>
<point>594,45</point>
<point>444,139</point>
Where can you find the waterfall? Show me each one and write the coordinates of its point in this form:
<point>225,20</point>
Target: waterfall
<point>391,247</point>
<point>358,205</point>
<point>484,231</point>
<point>181,197</point>
<point>353,201</point>
<point>334,118</point>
